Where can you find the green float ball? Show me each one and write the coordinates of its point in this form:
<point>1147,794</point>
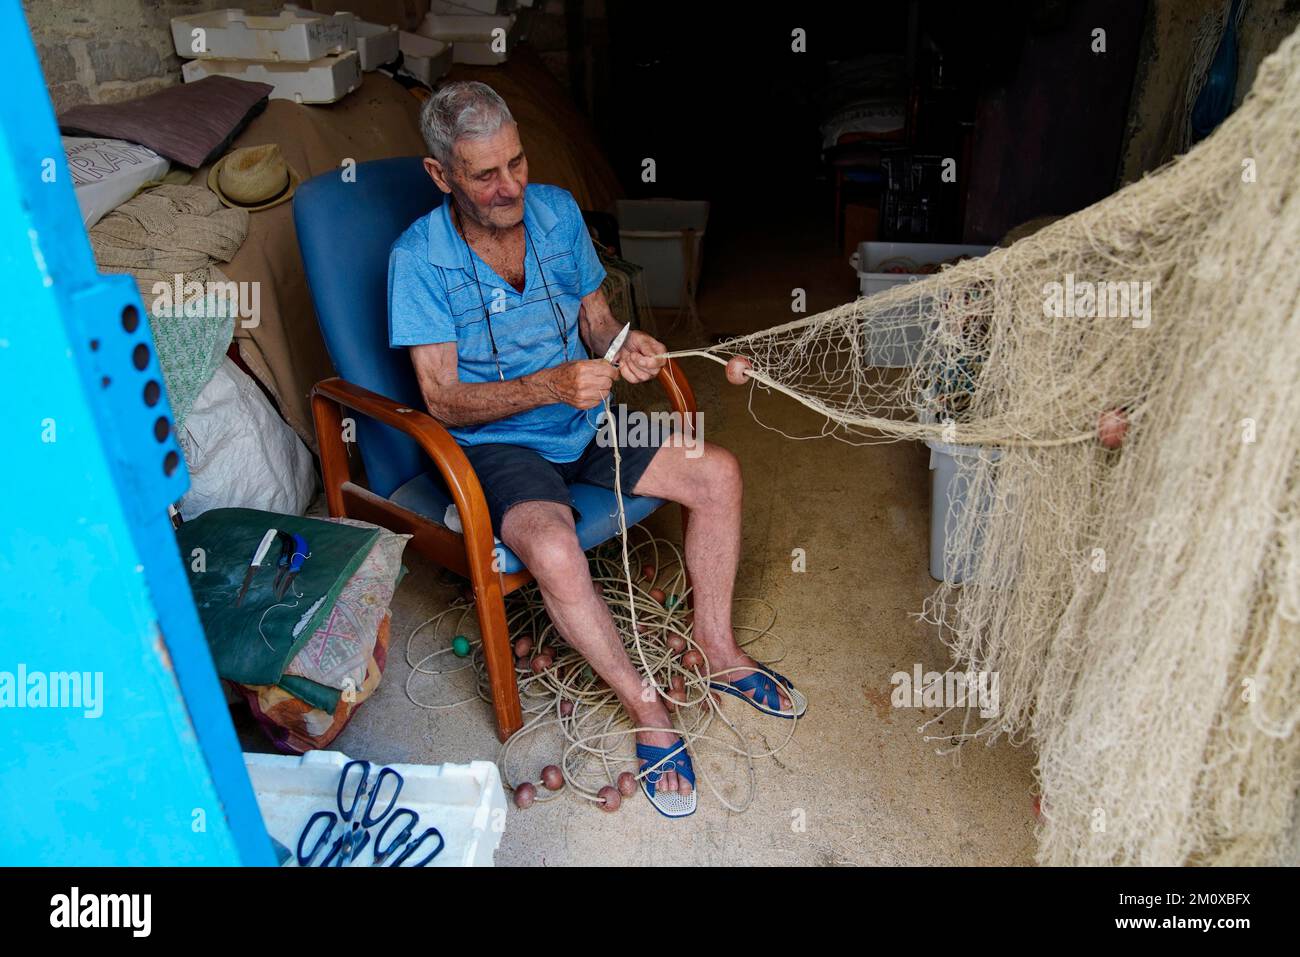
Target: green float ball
<point>460,646</point>
<point>671,602</point>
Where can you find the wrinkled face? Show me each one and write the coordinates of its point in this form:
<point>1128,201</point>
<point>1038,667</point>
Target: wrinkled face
<point>487,178</point>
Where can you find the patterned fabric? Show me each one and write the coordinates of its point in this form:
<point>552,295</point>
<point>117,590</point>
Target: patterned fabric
<point>336,654</point>
<point>294,726</point>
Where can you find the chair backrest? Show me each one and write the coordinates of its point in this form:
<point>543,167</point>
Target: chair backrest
<point>345,230</point>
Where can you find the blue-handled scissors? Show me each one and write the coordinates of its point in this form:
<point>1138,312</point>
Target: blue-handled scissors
<point>348,809</point>
<point>305,858</point>
<point>356,834</point>
<point>412,847</point>
<point>381,851</point>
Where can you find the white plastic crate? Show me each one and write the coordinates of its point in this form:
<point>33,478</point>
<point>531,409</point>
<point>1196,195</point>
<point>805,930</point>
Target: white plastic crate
<point>653,233</point>
<point>424,58</point>
<point>322,81</point>
<point>894,345</point>
<point>472,37</point>
<point>465,802</point>
<point>293,35</point>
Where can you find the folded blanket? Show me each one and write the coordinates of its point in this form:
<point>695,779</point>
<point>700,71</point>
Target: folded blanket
<point>254,642</point>
<point>166,231</point>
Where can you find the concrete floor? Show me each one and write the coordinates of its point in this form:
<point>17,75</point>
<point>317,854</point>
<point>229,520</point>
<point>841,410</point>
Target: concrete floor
<point>858,775</point>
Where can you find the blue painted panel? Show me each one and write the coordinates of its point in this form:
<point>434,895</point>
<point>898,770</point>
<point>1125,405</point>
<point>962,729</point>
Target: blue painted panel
<point>135,761</point>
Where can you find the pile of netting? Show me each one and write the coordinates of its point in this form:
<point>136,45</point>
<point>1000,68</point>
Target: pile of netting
<point>1126,379</point>
<point>573,720</point>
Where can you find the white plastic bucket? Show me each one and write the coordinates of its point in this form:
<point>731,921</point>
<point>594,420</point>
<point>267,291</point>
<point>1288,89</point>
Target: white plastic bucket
<point>949,498</point>
<point>665,237</point>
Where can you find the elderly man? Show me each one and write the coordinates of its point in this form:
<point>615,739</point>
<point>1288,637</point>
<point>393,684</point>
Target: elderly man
<point>497,294</point>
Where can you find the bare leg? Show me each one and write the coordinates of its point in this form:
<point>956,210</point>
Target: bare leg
<point>542,535</point>
<point>710,486</point>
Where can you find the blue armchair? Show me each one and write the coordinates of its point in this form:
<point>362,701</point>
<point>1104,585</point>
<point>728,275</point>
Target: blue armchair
<point>414,468</point>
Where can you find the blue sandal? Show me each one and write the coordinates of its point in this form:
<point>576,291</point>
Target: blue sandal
<point>663,760</point>
<point>759,691</point>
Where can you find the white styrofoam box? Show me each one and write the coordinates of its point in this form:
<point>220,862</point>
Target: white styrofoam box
<point>465,802</point>
<point>653,233</point>
<point>294,35</point>
<point>894,344</point>
<point>326,80</point>
<point>475,40</point>
<point>424,58</point>
<point>376,45</point>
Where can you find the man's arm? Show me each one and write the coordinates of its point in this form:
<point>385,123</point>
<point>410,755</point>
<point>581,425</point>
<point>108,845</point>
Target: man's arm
<point>639,359</point>
<point>581,384</point>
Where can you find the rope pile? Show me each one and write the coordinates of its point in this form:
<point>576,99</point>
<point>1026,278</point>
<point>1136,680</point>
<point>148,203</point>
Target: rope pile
<point>569,707</point>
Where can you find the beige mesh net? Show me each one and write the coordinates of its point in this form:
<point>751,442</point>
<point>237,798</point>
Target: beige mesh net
<point>1128,377</point>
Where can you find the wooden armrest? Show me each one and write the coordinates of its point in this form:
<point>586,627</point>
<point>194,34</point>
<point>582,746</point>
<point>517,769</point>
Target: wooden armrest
<point>680,396</point>
<point>433,438</point>
<point>437,443</point>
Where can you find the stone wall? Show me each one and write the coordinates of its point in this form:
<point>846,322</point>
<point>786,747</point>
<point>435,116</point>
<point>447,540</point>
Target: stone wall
<point>104,51</point>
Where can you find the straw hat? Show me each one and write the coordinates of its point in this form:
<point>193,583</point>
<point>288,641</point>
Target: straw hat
<point>253,178</point>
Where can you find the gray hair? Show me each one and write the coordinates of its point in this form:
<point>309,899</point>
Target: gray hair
<point>464,110</point>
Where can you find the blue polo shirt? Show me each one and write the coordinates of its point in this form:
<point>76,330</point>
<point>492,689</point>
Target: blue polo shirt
<point>433,297</point>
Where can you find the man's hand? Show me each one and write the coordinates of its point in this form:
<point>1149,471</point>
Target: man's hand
<point>641,357</point>
<point>582,383</point>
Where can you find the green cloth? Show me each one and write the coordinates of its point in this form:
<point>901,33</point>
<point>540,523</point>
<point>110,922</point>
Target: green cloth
<point>254,643</point>
<point>315,694</point>
<point>191,341</point>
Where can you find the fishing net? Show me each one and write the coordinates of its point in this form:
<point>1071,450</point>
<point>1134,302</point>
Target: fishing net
<point>1122,388</point>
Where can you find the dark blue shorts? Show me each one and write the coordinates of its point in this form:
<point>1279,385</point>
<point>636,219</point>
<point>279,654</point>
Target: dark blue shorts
<point>511,474</point>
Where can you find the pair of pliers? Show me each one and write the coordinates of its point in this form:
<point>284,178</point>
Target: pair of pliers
<point>293,553</point>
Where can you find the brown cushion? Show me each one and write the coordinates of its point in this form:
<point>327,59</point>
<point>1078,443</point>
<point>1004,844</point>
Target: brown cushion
<point>192,123</point>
